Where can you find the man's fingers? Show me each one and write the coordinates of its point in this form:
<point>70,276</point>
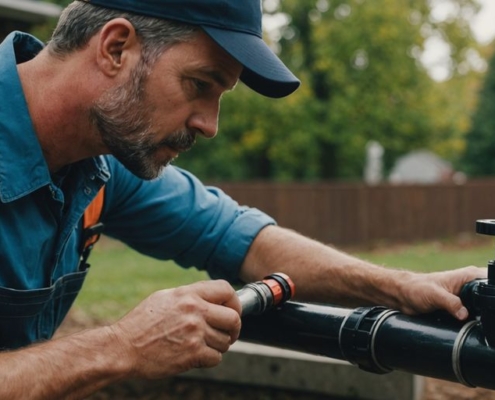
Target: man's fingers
<point>439,291</point>
<point>451,284</point>
<point>218,340</point>
<point>222,310</point>
<point>224,319</point>
<point>210,358</point>
<point>217,292</point>
<point>468,274</point>
<point>453,305</point>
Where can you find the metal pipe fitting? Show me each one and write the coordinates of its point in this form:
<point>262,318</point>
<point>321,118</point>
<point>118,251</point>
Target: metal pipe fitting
<point>260,296</point>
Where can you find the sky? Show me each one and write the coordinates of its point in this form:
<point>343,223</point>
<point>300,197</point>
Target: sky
<point>484,23</point>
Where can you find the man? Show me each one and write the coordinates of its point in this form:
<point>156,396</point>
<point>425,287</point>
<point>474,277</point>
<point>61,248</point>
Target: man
<point>123,87</point>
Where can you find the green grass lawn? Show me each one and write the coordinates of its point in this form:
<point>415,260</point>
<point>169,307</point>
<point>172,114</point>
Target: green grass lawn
<point>120,278</point>
<point>432,256</point>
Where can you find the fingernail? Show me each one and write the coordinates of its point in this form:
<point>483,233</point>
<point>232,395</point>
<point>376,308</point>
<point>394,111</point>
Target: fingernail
<point>462,314</point>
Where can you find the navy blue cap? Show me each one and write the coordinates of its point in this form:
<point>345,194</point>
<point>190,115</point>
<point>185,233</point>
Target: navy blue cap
<point>235,25</point>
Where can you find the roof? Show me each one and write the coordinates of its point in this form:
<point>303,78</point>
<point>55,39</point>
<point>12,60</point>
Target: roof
<point>28,10</point>
<point>421,166</point>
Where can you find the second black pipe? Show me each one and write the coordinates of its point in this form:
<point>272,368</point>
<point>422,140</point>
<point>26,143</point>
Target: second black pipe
<point>380,340</point>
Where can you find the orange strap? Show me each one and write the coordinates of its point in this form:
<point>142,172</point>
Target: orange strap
<point>92,216</point>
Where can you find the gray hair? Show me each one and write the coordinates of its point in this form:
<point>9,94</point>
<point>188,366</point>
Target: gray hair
<point>80,21</point>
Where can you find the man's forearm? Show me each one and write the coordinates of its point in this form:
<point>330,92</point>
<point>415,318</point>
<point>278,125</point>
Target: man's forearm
<point>72,367</point>
<point>324,274</point>
<point>320,272</point>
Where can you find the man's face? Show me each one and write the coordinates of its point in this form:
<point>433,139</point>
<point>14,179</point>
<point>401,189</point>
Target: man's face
<point>147,121</point>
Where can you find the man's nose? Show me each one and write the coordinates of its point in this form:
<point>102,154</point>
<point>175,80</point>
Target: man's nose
<point>205,121</point>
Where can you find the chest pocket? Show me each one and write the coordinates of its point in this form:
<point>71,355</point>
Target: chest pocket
<point>27,316</point>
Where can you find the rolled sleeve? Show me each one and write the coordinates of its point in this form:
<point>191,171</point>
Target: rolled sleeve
<point>176,217</point>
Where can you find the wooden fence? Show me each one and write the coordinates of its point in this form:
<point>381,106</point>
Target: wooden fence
<point>357,214</point>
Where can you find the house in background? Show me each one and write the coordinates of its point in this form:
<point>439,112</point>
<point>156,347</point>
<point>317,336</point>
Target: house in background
<point>424,167</point>
<point>24,14</point>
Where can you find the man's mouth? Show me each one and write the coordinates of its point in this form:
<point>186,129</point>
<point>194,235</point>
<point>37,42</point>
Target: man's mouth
<point>177,149</point>
<point>180,144</point>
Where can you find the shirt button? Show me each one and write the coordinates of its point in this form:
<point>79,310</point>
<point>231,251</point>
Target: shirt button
<point>87,190</point>
<point>52,191</point>
<point>92,177</point>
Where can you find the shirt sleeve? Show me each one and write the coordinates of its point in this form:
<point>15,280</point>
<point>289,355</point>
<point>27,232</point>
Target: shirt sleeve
<point>176,217</point>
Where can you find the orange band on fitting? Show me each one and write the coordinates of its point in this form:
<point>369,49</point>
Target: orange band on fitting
<point>276,290</point>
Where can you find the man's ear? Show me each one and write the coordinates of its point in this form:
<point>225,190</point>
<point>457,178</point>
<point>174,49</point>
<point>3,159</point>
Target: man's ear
<point>118,48</point>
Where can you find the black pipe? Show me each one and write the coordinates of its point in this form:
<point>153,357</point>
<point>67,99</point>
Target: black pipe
<point>380,340</point>
<point>308,328</point>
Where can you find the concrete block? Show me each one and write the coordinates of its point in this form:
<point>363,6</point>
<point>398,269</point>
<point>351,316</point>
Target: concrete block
<point>252,364</point>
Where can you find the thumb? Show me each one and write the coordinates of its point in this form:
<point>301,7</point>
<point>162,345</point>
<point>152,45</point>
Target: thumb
<point>454,306</point>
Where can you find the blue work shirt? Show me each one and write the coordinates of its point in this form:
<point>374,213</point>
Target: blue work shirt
<point>173,217</point>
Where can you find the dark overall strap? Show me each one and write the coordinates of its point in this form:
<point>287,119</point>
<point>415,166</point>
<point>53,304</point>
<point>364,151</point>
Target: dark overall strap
<point>92,226</point>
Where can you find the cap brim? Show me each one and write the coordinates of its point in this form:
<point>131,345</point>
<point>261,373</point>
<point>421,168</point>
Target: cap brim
<point>263,71</point>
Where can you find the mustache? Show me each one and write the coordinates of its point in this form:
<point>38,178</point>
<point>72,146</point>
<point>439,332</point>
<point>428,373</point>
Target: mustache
<point>180,140</point>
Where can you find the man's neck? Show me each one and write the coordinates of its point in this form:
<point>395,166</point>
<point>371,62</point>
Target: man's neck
<point>58,99</point>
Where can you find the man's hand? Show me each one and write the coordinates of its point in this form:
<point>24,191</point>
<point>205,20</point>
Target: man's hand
<point>175,330</point>
<point>422,293</point>
<point>170,332</point>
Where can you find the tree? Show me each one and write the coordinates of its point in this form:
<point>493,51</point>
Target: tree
<point>362,60</point>
<point>479,159</point>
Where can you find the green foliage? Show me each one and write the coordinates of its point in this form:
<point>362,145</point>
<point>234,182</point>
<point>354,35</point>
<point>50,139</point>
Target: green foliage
<point>259,138</point>
<point>368,84</point>
<point>479,158</point>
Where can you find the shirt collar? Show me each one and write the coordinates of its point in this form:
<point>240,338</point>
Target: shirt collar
<point>23,168</point>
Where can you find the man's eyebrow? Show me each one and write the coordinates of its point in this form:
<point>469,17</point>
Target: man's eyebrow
<point>218,77</point>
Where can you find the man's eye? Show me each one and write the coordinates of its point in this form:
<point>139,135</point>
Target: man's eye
<point>200,85</point>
